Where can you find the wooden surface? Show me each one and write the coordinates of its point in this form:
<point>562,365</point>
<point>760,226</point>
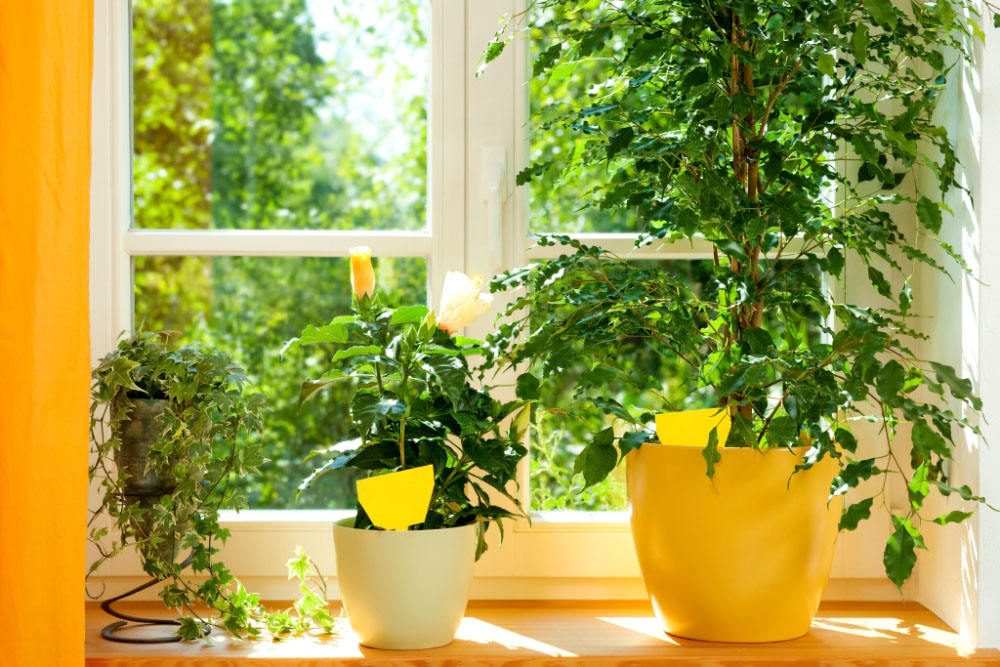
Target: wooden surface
<point>518,634</point>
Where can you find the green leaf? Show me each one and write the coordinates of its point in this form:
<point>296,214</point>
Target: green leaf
<point>450,372</point>
<point>827,65</point>
<point>929,214</point>
<point>760,341</point>
<point>527,387</point>
<point>890,381</point>
<point>621,139</point>
<point>955,516</point>
<point>899,556</point>
<point>408,314</point>
<point>634,440</point>
<point>856,513</point>
<point>355,351</point>
<point>961,388</point>
<point>598,459</point>
<point>883,12</point>
<point>859,43</point>
<point>852,474</point>
<point>879,282</point>
<point>918,486</point>
<point>711,452</point>
<point>367,408</point>
<point>926,441</point>
<point>782,431</point>
<point>546,58</point>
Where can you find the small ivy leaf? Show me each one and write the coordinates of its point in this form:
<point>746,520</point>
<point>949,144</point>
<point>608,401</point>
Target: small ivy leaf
<point>827,64</point>
<point>855,514</point>
<point>899,556</point>
<point>711,452</point>
<point>527,387</point>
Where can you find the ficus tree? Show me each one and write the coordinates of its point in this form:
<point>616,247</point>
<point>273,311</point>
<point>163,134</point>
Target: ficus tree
<point>731,123</point>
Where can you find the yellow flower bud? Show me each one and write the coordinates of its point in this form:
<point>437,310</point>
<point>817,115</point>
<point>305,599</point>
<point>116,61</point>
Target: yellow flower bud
<point>362,273</point>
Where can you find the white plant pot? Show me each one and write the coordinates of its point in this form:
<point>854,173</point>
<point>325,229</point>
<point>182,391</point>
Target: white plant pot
<point>404,589</point>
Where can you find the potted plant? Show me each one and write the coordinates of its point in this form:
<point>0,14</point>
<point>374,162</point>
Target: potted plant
<point>169,429</point>
<point>415,405</point>
<point>731,124</point>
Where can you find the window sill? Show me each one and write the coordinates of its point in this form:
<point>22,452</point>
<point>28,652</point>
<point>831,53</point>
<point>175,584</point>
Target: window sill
<point>586,632</point>
<point>322,520</point>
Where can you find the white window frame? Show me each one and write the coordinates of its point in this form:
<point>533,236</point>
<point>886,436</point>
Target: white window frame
<point>561,554</point>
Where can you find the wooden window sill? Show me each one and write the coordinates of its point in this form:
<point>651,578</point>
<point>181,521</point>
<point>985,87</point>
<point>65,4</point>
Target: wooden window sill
<point>526,633</point>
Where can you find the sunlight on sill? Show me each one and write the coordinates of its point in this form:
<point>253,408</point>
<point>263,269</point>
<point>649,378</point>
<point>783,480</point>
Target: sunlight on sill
<point>475,630</point>
<point>644,625</point>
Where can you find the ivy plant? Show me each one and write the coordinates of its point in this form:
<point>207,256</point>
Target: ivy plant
<point>729,123</point>
<point>415,403</point>
<point>198,452</point>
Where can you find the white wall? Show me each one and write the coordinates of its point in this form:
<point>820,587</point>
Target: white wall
<point>959,577</point>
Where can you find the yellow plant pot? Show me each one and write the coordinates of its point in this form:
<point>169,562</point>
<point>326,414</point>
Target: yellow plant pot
<point>745,560</point>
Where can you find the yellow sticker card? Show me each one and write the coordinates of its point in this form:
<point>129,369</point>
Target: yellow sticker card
<point>398,500</point>
<point>692,427</point>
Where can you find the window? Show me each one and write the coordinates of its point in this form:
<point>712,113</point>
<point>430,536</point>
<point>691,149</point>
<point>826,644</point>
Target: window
<point>277,115</point>
<point>241,147</point>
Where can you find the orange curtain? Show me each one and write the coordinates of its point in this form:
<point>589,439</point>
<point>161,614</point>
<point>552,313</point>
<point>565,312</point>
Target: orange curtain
<point>45,73</point>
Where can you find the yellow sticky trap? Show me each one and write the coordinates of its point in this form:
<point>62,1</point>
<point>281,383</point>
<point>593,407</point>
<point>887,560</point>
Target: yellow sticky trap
<point>692,427</point>
<point>398,500</point>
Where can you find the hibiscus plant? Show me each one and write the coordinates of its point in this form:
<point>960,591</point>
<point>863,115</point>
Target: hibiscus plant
<point>415,402</point>
<point>786,138</point>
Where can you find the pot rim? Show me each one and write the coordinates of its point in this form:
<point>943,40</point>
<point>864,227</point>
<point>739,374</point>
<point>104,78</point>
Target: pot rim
<point>799,450</point>
<point>340,524</point>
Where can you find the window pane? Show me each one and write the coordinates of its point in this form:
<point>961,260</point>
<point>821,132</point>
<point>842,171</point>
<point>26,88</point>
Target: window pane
<point>287,114</point>
<point>559,194</point>
<point>248,307</point>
